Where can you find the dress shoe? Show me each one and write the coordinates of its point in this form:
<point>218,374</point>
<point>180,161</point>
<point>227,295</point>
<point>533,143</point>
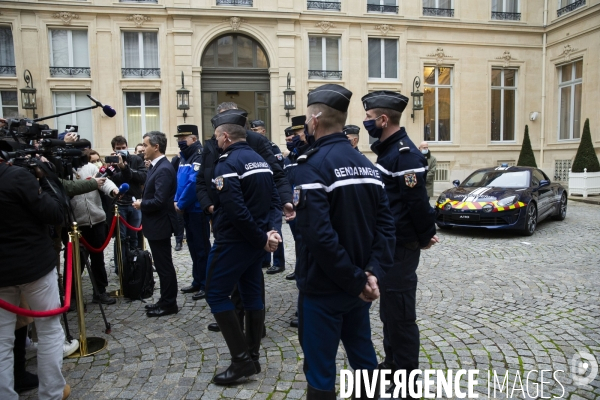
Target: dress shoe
<point>294,323</point>
<point>152,306</point>
<point>200,295</point>
<point>189,289</point>
<point>27,382</point>
<point>291,277</point>
<point>103,298</point>
<point>178,246</point>
<point>66,392</point>
<point>70,348</point>
<point>162,311</point>
<point>316,394</point>
<point>214,327</point>
<point>275,270</point>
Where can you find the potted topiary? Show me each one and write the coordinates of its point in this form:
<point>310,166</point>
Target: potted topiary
<point>526,157</point>
<point>584,178</point>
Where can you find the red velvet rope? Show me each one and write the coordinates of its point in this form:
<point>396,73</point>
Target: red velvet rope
<point>129,226</point>
<point>106,242</point>
<point>49,313</point>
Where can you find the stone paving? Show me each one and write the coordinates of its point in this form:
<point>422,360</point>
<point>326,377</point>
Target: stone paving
<point>486,300</point>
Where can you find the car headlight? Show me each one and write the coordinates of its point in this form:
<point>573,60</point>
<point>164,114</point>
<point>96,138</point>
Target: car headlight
<point>448,206</point>
<point>487,208</point>
<point>442,198</point>
<point>507,201</point>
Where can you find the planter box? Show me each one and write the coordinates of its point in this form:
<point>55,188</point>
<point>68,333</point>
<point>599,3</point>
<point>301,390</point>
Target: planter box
<point>584,183</point>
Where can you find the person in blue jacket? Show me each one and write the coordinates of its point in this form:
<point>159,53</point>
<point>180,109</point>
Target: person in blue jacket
<point>404,171</point>
<point>347,243</point>
<point>246,208</point>
<point>196,222</point>
<point>278,266</point>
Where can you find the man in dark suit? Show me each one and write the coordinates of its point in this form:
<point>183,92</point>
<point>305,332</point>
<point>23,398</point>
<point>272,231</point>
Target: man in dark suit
<point>159,220</point>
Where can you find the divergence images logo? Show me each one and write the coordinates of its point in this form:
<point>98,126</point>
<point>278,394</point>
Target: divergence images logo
<point>581,363</point>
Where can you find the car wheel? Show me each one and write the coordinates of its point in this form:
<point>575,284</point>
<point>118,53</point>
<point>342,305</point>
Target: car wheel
<point>530,220</point>
<point>562,210</point>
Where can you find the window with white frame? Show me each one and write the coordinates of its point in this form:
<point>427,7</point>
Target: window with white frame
<point>383,58</point>
<point>69,53</point>
<point>70,101</point>
<point>438,8</point>
<point>383,6</point>
<point>140,55</point>
<point>506,10</point>
<point>142,114</point>
<point>566,6</point>
<point>9,106</point>
<point>7,52</point>
<point>437,103</point>
<point>504,103</point>
<point>569,100</point>
<point>324,57</point>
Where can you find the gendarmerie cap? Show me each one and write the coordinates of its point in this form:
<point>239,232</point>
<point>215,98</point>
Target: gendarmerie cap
<point>256,123</point>
<point>236,117</point>
<point>184,130</point>
<point>298,122</point>
<point>289,131</point>
<point>332,95</point>
<point>351,130</point>
<point>385,99</point>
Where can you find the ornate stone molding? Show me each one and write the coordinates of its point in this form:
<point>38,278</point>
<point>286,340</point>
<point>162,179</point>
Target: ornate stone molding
<point>439,55</point>
<point>325,25</point>
<point>384,28</point>
<point>235,22</point>
<point>66,17</point>
<point>507,57</point>
<point>567,52</point>
<point>138,19</point>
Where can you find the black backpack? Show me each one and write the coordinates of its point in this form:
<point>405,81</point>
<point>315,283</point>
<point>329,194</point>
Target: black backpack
<point>138,279</point>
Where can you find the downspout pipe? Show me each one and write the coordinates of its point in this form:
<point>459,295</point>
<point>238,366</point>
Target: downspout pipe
<point>543,124</point>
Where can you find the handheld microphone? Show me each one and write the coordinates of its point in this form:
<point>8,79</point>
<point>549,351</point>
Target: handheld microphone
<point>108,110</point>
<point>102,172</point>
<point>123,188</point>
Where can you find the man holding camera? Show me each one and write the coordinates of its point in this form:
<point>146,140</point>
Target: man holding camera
<point>131,170</point>
<point>28,268</point>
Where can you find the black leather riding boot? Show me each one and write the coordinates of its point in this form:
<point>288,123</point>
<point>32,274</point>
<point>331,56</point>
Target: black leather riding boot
<point>254,329</point>
<point>241,363</point>
<point>316,394</point>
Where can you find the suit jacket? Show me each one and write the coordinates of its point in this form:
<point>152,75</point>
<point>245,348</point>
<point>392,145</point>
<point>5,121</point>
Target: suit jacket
<point>158,213</point>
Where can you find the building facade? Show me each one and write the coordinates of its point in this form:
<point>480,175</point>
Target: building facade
<point>486,68</point>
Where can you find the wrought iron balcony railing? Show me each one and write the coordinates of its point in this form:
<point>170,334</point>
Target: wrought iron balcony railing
<point>316,74</point>
<point>324,5</point>
<point>246,3</point>
<point>70,71</point>
<point>382,9</point>
<point>506,16</point>
<point>8,70</point>
<point>140,72</point>
<point>438,12</point>
<point>570,7</point>
<point>139,1</point>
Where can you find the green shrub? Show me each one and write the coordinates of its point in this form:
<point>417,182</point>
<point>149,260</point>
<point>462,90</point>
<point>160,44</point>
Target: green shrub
<point>586,155</point>
<point>526,158</point>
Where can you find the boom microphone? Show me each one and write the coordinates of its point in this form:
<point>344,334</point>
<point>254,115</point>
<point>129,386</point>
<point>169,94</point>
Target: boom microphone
<point>108,110</point>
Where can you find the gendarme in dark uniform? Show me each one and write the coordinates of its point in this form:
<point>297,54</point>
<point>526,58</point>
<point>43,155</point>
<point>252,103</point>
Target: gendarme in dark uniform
<point>347,233</point>
<point>246,207</point>
<point>403,169</point>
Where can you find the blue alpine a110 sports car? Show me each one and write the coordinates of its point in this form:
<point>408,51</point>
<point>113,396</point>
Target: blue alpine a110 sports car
<point>502,198</point>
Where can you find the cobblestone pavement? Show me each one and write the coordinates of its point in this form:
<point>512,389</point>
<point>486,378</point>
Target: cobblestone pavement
<point>486,301</point>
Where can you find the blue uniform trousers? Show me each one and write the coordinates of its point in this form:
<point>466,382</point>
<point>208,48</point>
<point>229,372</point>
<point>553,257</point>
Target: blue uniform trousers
<point>198,241</point>
<point>325,320</point>
<point>398,310</point>
<point>278,255</point>
<point>231,263</point>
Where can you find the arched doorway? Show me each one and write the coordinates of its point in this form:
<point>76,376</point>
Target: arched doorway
<point>235,68</point>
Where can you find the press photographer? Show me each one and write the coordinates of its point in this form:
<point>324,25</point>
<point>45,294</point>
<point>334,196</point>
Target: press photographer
<point>29,205</point>
<point>130,169</point>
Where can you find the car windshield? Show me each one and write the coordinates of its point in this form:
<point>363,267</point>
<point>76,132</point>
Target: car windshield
<point>502,179</point>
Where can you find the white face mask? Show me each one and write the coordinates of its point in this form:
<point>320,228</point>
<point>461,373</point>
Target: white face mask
<point>425,151</point>
<point>98,164</point>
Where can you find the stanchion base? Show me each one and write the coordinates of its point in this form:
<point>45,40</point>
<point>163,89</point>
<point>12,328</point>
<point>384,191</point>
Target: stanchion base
<point>116,293</point>
<point>94,345</point>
